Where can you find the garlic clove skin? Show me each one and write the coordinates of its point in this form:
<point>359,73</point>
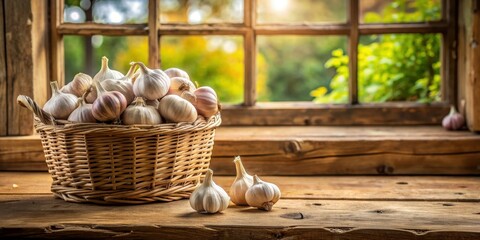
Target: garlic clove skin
<point>106,73</point>
<point>176,72</point>
<point>209,197</point>
<point>206,101</point>
<point>178,85</point>
<point>83,113</point>
<point>454,120</point>
<point>122,86</point>
<point>241,184</point>
<point>262,195</point>
<point>61,104</point>
<point>176,109</point>
<point>151,84</point>
<point>139,113</point>
<point>80,84</point>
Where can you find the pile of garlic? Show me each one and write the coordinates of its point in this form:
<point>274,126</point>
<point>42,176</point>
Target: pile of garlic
<point>245,190</point>
<point>142,96</point>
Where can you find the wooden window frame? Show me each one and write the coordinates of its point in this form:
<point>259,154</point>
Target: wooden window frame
<point>288,113</point>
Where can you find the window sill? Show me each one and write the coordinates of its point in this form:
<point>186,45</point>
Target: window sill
<point>312,150</point>
<point>310,208</point>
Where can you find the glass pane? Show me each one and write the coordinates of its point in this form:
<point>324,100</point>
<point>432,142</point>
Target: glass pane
<point>84,53</point>
<point>215,61</point>
<point>300,68</point>
<point>391,11</point>
<point>106,11</point>
<point>197,11</point>
<point>300,11</point>
<point>399,67</point>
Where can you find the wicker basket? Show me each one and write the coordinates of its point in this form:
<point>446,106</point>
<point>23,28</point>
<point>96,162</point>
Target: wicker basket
<point>118,164</point>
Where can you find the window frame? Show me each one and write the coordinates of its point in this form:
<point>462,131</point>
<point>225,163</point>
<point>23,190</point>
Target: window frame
<point>288,113</point>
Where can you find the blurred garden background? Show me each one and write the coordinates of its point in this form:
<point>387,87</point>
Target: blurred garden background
<point>391,67</point>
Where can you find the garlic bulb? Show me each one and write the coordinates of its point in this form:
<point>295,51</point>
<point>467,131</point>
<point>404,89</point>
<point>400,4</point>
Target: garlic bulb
<point>61,104</point>
<point>176,109</point>
<point>80,84</point>
<point>139,113</point>
<point>83,113</point>
<point>176,72</point>
<point>123,85</point>
<point>209,197</point>
<point>107,73</point>
<point>178,85</point>
<point>242,182</point>
<point>205,101</point>
<point>151,84</point>
<point>108,105</point>
<point>262,195</point>
<point>154,103</point>
<point>454,120</point>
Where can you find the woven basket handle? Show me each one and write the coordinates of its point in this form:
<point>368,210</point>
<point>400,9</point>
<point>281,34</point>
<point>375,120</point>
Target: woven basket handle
<point>28,103</point>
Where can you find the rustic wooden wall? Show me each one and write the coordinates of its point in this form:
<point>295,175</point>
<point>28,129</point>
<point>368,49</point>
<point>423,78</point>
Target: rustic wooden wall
<point>23,65</point>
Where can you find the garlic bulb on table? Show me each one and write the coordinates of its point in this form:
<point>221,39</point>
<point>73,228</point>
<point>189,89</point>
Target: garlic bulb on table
<point>151,84</point>
<point>262,195</point>
<point>80,84</point>
<point>242,182</point>
<point>83,113</point>
<point>177,72</point>
<point>61,104</point>
<point>454,120</point>
<point>139,113</point>
<point>109,105</point>
<point>176,109</point>
<point>209,197</point>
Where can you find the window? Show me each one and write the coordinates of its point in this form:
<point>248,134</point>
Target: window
<point>366,62</point>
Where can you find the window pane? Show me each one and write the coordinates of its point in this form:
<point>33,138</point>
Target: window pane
<point>300,11</point>
<point>106,11</point>
<point>215,61</point>
<point>399,67</point>
<point>391,11</point>
<point>84,53</point>
<point>197,11</point>
<point>300,68</point>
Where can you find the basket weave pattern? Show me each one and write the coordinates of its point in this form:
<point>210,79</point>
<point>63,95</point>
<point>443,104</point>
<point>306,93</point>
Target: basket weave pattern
<point>108,164</point>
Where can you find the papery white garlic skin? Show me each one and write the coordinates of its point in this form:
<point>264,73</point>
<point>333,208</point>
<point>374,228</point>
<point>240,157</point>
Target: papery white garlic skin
<point>109,105</point>
<point>178,85</point>
<point>262,195</point>
<point>107,73</point>
<point>206,101</point>
<point>83,113</point>
<point>61,104</point>
<point>80,84</point>
<point>242,183</point>
<point>154,103</point>
<point>123,86</point>
<point>176,109</point>
<point>151,84</point>
<point>209,197</point>
<point>139,113</point>
<point>176,72</point>
<point>454,120</point>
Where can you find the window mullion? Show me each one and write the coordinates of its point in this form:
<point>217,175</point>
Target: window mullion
<point>57,58</point>
<point>153,37</point>
<point>250,50</point>
<point>353,52</point>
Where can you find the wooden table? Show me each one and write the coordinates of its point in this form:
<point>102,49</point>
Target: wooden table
<point>327,207</point>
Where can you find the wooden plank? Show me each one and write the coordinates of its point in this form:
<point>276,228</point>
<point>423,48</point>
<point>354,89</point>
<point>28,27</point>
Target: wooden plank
<point>394,188</point>
<point>353,52</point>
<point>40,52</point>
<point>388,28</point>
<point>304,29</point>
<point>3,76</point>
<point>473,83</point>
<point>250,55</point>
<point>464,20</point>
<point>313,150</point>
<point>91,28</point>
<point>153,37</point>
<point>19,60</point>
<point>57,51</point>
<point>305,219</point>
<point>449,53</point>
<point>307,113</point>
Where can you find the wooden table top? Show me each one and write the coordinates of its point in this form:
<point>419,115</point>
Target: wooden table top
<point>328,207</point>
